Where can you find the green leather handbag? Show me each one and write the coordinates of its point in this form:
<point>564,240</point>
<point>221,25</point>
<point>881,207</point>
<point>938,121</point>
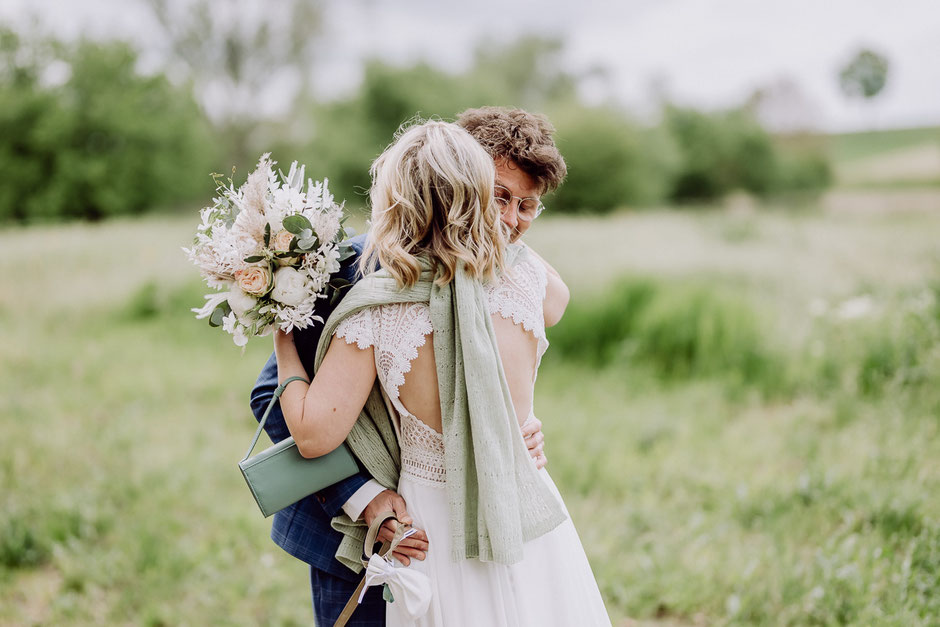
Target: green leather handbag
<point>280,476</point>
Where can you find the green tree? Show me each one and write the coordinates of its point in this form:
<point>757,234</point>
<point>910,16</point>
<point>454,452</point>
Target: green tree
<point>865,75</point>
<point>720,152</point>
<point>348,134</point>
<point>612,162</point>
<point>106,141</point>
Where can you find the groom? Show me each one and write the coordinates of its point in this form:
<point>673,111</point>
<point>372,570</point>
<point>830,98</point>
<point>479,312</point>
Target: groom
<point>527,165</point>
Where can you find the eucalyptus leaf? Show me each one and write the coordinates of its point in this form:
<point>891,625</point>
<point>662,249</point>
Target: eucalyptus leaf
<point>307,243</point>
<point>346,254</point>
<point>215,320</point>
<point>297,223</point>
<point>267,234</point>
<point>254,258</point>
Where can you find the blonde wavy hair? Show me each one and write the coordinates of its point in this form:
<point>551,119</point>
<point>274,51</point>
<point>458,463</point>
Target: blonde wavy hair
<point>432,194</point>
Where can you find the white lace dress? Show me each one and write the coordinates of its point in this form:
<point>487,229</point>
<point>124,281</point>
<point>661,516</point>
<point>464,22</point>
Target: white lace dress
<point>553,584</point>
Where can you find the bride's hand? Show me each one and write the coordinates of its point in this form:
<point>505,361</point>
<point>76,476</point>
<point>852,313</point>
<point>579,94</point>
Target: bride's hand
<point>535,441</point>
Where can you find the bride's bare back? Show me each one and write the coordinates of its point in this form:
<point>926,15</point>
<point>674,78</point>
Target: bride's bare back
<point>517,351</point>
<point>520,304</point>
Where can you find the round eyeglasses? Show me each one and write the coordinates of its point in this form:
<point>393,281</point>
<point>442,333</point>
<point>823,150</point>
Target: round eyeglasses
<point>529,208</point>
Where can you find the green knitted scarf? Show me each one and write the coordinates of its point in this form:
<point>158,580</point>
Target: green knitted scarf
<point>496,498</point>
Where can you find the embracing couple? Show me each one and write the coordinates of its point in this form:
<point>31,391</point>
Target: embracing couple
<point>426,369</point>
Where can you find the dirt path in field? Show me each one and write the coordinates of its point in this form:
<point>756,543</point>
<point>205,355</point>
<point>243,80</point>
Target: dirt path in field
<point>865,201</point>
<point>914,163</point>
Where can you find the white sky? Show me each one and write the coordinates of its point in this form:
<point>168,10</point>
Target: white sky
<point>707,53</point>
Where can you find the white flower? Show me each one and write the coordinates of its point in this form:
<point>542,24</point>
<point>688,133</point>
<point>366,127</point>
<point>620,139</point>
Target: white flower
<point>290,286</point>
<point>233,228</point>
<point>212,301</point>
<point>326,225</point>
<point>330,262</point>
<point>229,322</point>
<point>240,302</point>
<point>239,336</point>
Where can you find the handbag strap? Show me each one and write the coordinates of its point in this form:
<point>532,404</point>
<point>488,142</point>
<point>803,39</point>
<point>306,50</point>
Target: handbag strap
<point>277,394</point>
<point>401,532</point>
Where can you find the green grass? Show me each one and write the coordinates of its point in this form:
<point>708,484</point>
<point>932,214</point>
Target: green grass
<point>846,147</point>
<point>699,497</point>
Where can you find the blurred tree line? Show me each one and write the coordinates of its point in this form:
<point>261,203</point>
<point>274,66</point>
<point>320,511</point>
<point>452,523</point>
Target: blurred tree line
<point>83,134</point>
<point>613,161</point>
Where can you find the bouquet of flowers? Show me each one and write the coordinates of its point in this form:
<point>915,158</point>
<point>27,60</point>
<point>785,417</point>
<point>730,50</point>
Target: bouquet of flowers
<point>270,248</point>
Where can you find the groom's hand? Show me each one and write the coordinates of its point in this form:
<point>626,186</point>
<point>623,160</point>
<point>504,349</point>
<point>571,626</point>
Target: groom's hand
<point>535,441</point>
<point>413,547</point>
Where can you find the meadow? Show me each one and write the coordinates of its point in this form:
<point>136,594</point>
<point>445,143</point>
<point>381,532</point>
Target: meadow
<point>741,409</point>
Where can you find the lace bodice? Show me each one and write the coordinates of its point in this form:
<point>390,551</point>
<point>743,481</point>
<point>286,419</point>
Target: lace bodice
<point>398,330</point>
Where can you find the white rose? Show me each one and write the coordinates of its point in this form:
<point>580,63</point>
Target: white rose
<point>290,287</point>
<point>240,302</point>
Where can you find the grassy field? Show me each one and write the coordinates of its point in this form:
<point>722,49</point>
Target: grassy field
<point>889,158</point>
<point>852,146</point>
<point>742,412</point>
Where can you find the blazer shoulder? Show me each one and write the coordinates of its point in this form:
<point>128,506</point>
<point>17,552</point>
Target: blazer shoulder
<point>358,243</point>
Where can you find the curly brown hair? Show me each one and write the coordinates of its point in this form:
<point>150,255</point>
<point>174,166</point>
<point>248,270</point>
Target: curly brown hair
<point>522,137</point>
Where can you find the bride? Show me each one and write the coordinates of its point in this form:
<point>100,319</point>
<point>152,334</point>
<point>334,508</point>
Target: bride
<point>427,370</point>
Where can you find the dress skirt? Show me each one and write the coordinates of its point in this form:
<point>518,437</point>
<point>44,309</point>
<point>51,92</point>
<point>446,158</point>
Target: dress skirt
<point>552,585</point>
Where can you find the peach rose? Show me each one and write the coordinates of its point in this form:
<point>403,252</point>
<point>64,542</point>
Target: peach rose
<point>254,280</point>
<point>281,241</point>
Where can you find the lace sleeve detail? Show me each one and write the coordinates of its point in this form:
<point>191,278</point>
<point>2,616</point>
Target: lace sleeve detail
<point>518,294</point>
<point>401,328</point>
<point>357,328</point>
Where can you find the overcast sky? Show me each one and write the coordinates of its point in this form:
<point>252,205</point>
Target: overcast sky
<point>708,53</point>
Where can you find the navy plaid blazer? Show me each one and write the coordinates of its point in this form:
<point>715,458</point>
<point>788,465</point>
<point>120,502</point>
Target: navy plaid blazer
<point>303,529</point>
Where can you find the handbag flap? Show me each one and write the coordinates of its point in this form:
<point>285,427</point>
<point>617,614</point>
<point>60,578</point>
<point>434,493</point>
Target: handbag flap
<point>280,476</point>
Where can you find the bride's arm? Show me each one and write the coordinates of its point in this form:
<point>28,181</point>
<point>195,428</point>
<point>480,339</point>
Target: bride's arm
<point>321,415</point>
<point>556,293</point>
